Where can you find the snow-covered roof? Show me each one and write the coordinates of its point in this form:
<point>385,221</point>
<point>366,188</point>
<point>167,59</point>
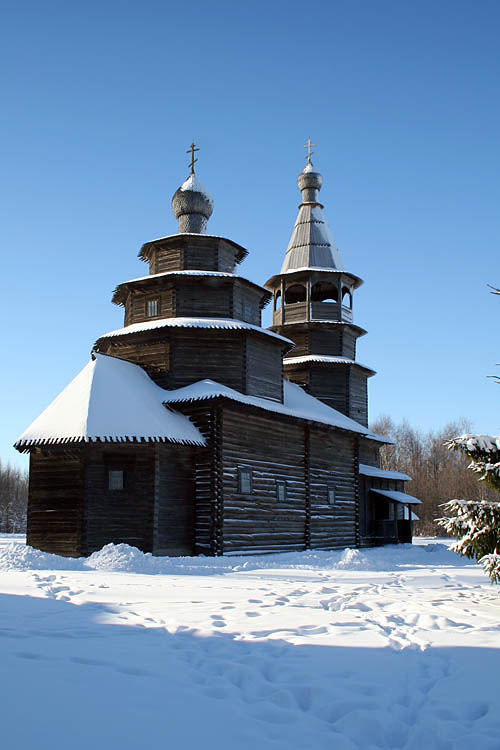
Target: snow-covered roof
<point>399,497</point>
<point>374,471</point>
<point>113,401</point>
<point>324,359</point>
<point>242,252</point>
<point>228,324</point>
<point>180,273</point>
<point>120,293</point>
<point>297,403</point>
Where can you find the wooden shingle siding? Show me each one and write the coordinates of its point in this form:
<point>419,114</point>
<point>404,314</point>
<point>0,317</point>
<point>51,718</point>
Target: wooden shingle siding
<point>333,461</point>
<point>264,369</point>
<point>257,520</point>
<point>119,516</point>
<point>56,500</point>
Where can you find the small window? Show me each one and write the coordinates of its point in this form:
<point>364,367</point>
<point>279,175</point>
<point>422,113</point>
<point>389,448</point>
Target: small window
<point>330,492</point>
<point>152,308</point>
<point>115,479</point>
<point>281,490</point>
<point>247,312</point>
<point>245,481</point>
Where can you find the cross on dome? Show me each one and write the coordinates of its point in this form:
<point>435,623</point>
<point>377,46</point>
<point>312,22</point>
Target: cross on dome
<point>191,150</point>
<point>309,145</point>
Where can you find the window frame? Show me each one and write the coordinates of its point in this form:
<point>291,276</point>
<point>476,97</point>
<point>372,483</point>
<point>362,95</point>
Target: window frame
<point>331,495</point>
<point>155,303</point>
<point>281,485</point>
<point>112,476</point>
<point>245,470</point>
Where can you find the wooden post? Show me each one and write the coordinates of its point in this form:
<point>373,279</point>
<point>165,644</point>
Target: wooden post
<point>282,301</point>
<point>356,491</point>
<point>307,487</point>
<point>308,299</point>
<point>216,479</point>
<point>156,497</point>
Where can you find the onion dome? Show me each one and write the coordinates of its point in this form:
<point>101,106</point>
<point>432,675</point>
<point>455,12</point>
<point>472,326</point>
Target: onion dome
<point>311,244</point>
<point>192,205</point>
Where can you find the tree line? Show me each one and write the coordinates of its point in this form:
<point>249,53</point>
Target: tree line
<point>13,499</point>
<point>438,473</point>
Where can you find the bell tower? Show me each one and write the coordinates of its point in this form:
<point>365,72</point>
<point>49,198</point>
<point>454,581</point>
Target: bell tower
<point>313,306</point>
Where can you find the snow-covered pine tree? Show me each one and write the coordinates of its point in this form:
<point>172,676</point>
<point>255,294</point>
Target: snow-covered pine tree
<point>476,523</point>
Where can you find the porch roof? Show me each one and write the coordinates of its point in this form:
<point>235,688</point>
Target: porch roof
<point>398,497</point>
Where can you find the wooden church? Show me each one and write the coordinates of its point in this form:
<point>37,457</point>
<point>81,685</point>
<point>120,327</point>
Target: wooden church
<point>195,430</point>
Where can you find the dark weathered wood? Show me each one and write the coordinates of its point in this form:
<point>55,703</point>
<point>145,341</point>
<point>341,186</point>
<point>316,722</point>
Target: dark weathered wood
<point>333,461</point>
<point>175,505</point>
<point>56,501</point>
<point>119,516</point>
<point>258,519</point>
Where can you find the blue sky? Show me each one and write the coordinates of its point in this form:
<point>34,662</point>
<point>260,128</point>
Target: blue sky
<point>101,100</point>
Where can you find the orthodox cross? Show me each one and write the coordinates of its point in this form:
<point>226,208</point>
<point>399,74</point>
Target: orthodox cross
<point>309,145</point>
<point>191,150</point>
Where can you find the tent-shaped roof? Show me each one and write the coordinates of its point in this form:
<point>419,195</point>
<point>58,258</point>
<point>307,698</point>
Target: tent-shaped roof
<point>311,244</point>
<point>110,400</point>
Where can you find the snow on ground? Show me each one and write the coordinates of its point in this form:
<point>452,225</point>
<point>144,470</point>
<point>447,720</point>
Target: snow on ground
<point>396,647</point>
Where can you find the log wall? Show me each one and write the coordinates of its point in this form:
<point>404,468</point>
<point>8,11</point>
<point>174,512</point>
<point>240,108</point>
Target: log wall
<point>56,501</point>
<point>153,354</point>
<point>330,384</point>
<point>175,500</point>
<point>272,450</point>
<point>204,298</point>
<point>246,304</point>
<point>119,516</point>
<point>136,304</point>
<point>369,452</point>
<point>166,259</point>
<point>358,396</point>
<point>333,462</point>
<point>264,369</point>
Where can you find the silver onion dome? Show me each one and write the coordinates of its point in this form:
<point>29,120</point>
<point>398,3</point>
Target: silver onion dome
<point>192,205</point>
<point>309,182</point>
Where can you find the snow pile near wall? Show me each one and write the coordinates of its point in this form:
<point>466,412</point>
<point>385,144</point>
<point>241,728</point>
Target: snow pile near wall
<point>124,558</point>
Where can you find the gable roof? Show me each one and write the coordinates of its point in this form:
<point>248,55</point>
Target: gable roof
<point>297,403</point>
<point>110,400</point>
